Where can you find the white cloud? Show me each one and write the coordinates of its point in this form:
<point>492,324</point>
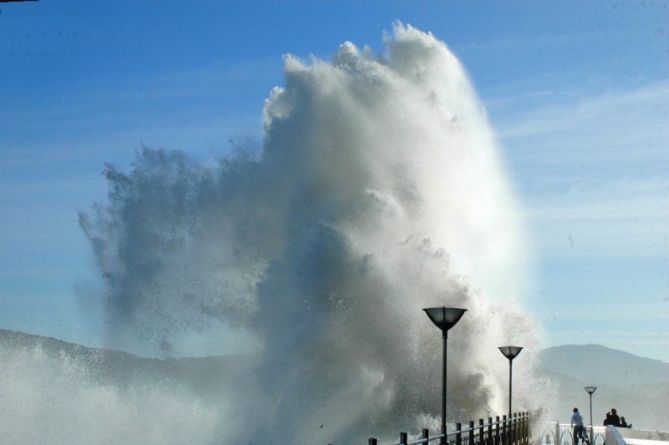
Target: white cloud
<point>594,172</point>
<point>647,106</point>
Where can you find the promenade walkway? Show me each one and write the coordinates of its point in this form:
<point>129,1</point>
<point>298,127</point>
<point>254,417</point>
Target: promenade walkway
<point>561,434</point>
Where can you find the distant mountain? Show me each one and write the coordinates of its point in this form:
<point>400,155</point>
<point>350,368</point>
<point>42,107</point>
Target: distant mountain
<point>637,387</point>
<point>596,363</point>
<point>208,376</point>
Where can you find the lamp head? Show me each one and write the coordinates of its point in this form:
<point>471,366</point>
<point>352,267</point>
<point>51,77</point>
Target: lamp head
<point>590,389</point>
<point>510,352</point>
<point>444,317</point>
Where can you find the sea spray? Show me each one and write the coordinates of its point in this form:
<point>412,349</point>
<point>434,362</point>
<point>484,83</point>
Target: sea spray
<point>58,398</point>
<point>378,191</point>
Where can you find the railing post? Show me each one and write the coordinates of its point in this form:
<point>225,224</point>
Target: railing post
<point>458,434</point>
<point>558,439</point>
<point>426,435</point>
<point>512,429</point>
<point>505,440</point>
<point>509,429</point>
<point>497,431</point>
<point>372,441</point>
<point>403,438</point>
<point>470,436</point>
<point>490,442</point>
<point>481,440</point>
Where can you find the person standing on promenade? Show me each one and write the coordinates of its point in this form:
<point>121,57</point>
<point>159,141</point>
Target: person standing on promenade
<point>577,425</point>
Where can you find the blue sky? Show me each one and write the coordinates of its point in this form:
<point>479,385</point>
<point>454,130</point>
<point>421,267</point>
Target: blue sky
<point>577,92</point>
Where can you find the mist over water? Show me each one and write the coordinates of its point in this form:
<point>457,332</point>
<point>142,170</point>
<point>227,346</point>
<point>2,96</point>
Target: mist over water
<point>59,400</point>
<point>378,191</point>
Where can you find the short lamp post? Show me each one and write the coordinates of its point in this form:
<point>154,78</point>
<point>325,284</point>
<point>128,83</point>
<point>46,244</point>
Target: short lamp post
<point>590,390</point>
<point>510,352</point>
<point>444,318</point>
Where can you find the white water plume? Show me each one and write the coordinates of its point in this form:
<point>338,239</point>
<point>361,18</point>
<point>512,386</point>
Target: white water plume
<point>56,399</point>
<point>378,191</point>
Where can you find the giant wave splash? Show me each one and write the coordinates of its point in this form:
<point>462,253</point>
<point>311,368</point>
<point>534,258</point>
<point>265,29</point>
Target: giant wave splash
<point>378,191</point>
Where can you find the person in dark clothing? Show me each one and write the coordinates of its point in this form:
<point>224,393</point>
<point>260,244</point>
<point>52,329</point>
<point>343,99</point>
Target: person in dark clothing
<point>623,423</point>
<point>615,420</point>
<point>607,419</point>
<point>577,424</point>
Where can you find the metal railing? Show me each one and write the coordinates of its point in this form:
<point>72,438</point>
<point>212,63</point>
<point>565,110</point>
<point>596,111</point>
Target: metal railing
<point>512,431</point>
<point>556,433</point>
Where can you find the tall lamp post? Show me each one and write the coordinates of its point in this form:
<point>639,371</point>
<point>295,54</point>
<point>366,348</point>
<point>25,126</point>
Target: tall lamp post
<point>444,318</point>
<point>510,352</point>
<point>590,390</point>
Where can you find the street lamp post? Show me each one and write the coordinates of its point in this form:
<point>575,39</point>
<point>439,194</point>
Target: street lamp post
<point>590,390</point>
<point>444,318</point>
<point>510,352</point>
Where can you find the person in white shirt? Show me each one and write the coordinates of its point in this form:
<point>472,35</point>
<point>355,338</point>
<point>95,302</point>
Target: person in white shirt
<point>577,424</point>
